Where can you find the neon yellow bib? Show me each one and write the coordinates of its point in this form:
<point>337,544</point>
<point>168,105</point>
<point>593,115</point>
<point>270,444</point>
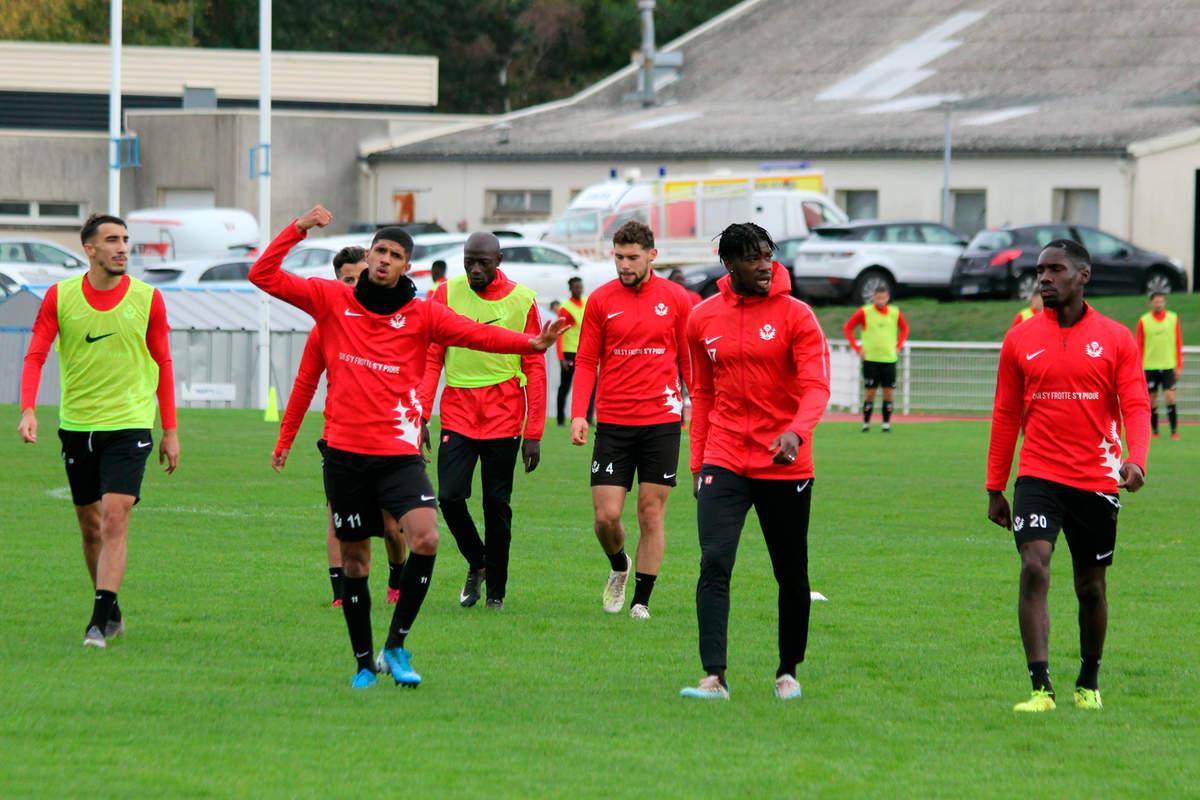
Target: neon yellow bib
<point>108,375</point>
<point>570,338</point>
<point>880,334</point>
<point>470,369</point>
<point>1027,313</point>
<point>1159,352</point>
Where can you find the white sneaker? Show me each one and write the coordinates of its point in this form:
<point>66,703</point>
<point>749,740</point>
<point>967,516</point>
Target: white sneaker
<point>787,688</point>
<point>614,590</point>
<point>710,688</point>
<point>639,611</point>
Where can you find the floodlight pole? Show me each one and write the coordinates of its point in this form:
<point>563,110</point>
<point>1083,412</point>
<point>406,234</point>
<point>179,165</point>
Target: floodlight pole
<point>114,111</point>
<point>264,192</point>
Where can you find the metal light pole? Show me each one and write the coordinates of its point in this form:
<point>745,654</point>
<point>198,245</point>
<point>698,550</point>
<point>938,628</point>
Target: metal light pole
<point>263,176</point>
<point>947,107</point>
<point>114,111</point>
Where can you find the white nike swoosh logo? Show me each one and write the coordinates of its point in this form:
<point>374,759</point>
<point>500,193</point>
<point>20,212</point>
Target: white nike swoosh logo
<point>143,444</point>
<point>713,339</point>
<point>668,477</point>
<point>1031,356</point>
<point>801,487</point>
<point>615,314</point>
<point>350,313</point>
<point>426,498</point>
<point>1104,555</point>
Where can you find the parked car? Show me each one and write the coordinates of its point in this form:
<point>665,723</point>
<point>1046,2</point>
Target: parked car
<point>1001,262</point>
<point>160,235</point>
<point>541,266</point>
<point>11,282</point>
<point>35,261</point>
<point>199,271</point>
<point>849,261</point>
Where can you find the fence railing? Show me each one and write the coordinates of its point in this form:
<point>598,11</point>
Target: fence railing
<point>960,378</point>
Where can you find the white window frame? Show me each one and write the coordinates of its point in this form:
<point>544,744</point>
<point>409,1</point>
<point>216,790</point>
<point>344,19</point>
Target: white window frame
<point>35,217</point>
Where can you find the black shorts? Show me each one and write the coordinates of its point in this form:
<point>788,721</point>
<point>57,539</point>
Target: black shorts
<point>322,446</point>
<point>359,486</point>
<point>1160,379</point>
<point>650,450</point>
<point>1042,508</point>
<point>103,462</point>
<point>879,373</point>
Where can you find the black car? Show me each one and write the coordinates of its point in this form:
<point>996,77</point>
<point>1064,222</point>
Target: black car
<point>703,280</point>
<point>1001,262</point>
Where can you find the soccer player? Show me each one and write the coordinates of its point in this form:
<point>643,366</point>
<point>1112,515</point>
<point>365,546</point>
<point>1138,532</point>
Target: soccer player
<point>571,311</point>
<point>1035,307</point>
<point>374,336</point>
<point>760,382</point>
<point>348,265</point>
<point>883,334</point>
<point>676,276</point>
<point>634,331</point>
<point>1069,380</point>
<point>437,272</point>
<point>1160,341</point>
<point>490,400</point>
<point>115,360</point>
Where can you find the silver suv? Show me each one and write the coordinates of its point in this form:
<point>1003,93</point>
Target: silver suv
<point>848,262</point>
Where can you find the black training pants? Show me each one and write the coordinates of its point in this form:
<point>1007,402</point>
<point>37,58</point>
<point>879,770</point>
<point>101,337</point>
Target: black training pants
<point>782,507</point>
<point>497,458</point>
<point>565,378</point>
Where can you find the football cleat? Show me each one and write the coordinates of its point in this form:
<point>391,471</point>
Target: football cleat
<point>710,688</point>
<point>639,611</point>
<point>1088,699</point>
<point>337,603</point>
<point>94,638</point>
<point>393,596</point>
<point>887,427</point>
<point>495,602</point>
<point>1175,436</point>
<point>365,679</point>
<point>398,664</point>
<point>614,589</point>
<point>866,427</point>
<point>1040,700</point>
<point>787,687</point>
<point>114,628</point>
<point>470,590</point>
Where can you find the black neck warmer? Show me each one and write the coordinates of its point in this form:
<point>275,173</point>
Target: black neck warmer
<point>381,300</point>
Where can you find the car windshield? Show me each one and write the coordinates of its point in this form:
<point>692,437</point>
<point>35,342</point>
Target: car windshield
<point>991,240</point>
<point>160,275</point>
<point>580,222</point>
<point>834,233</point>
<point>421,251</point>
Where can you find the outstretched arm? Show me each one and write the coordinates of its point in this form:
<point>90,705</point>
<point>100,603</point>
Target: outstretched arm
<point>268,275</point>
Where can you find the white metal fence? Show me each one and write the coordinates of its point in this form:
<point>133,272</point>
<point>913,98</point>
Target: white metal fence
<point>960,378</point>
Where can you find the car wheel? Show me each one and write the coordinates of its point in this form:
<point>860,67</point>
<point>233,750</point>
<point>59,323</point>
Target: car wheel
<point>1158,281</point>
<point>1025,284</point>
<point>869,281</point>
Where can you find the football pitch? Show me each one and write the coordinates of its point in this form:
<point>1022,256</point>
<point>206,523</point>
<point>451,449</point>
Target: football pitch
<point>233,677</point>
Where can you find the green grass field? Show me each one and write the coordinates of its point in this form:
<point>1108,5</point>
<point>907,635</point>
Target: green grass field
<point>988,320</point>
<point>232,680</point>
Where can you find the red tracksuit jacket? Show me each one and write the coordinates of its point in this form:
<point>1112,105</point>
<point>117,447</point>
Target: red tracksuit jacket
<point>760,367</point>
<point>637,337</point>
<point>1069,390</point>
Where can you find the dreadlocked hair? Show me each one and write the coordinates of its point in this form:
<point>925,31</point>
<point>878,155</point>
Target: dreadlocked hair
<point>741,239</point>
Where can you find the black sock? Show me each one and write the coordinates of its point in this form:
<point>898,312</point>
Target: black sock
<point>618,561</point>
<point>394,572</point>
<point>336,577</point>
<point>414,583</point>
<point>868,407</point>
<point>115,614</point>
<point>1154,419</point>
<point>1089,672</point>
<point>785,669</point>
<point>102,608</point>
<point>887,410</point>
<point>356,607</point>
<point>1039,673</point>
<point>643,585</point>
<point>1172,417</point>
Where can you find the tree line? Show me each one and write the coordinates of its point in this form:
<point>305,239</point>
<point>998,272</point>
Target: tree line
<point>492,53</point>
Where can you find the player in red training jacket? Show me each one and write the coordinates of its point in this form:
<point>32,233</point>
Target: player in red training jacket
<point>760,382</point>
<point>374,337</point>
<point>1069,379</point>
<point>348,265</point>
<point>634,331</point>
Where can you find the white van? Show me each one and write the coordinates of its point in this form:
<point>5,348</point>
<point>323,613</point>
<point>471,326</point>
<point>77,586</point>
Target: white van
<point>177,234</point>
